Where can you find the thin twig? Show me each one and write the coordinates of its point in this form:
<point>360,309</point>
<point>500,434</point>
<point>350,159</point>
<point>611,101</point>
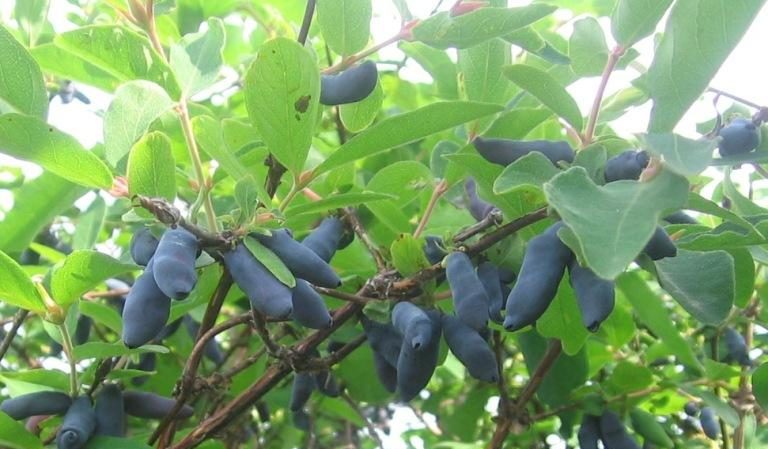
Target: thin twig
<point>368,425</point>
<point>610,65</point>
<point>404,33</point>
<point>437,193</point>
<point>18,319</point>
<point>309,11</point>
<point>66,343</point>
<point>734,97</point>
<point>357,226</point>
<point>553,352</point>
<point>494,218</point>
<point>344,296</point>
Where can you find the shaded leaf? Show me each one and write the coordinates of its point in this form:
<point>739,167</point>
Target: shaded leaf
<point>282,90</point>
<point>31,139</point>
<point>135,106</point>
<point>22,88</point>
<point>547,90</point>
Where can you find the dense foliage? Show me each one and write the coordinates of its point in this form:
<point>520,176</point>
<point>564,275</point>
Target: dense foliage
<point>340,242</point>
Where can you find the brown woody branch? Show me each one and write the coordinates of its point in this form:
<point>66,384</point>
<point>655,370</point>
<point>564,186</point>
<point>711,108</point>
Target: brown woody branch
<point>18,319</point>
<point>275,373</point>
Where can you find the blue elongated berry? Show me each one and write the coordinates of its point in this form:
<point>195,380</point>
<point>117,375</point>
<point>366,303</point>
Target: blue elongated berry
<point>469,297</point>
<point>266,294</point>
<point>349,86</point>
<point>302,261</point>
<point>543,267</point>
<point>505,152</point>
<point>146,310</point>
<point>595,295</point>
<point>471,349</point>
<point>78,425</point>
<point>38,403</point>
<point>174,263</point>
<point>413,324</point>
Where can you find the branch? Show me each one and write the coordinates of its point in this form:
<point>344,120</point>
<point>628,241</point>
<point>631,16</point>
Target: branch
<point>613,58</point>
<point>437,193</point>
<point>18,319</point>
<point>344,296</point>
<point>503,421</point>
<point>357,226</point>
<point>169,215</point>
<point>734,97</point>
<point>405,33</point>
<point>275,373</point>
<point>410,285</point>
<point>494,218</point>
<point>553,352</point>
<point>368,425</point>
<point>308,13</point>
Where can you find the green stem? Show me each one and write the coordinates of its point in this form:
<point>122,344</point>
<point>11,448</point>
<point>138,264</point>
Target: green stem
<point>66,343</point>
<point>295,189</point>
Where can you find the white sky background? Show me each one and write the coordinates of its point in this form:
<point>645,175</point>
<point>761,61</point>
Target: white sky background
<point>745,74</point>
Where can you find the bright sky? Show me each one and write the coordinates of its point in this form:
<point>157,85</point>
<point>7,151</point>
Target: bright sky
<point>743,74</point>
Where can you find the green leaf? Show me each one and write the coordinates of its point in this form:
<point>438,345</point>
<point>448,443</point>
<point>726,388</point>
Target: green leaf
<point>587,48</point>
<point>405,128</point>
<point>102,314</point>
<point>646,425</point>
<point>135,106</point>
<point>632,20</point>
<point>703,283</point>
<point>13,435</point>
<point>36,204</point>
<point>408,254</point>
<point>562,320</point>
<point>612,223</point>
<point>81,271</point>
<point>101,442</point>
<point>699,203</point>
<point>208,133</point>
<point>627,377</point>
<point>16,288</point>
<point>439,66</point>
<point>740,203</point>
<point>517,123</point>
<point>102,350</point>
<point>89,225</point>
<point>31,15</point>
<point>685,156</point>
<point>697,38</point>
<point>650,310</point>
<point>359,115</point>
<point>151,167</point>
<point>22,88</point>
<point>64,64</point>
<point>443,31</point>
<point>744,267</point>
<point>247,196</point>
<point>31,139</point>
<point>197,58</point>
<point>760,385</point>
<point>345,24</point>
<point>336,202</point>
<point>481,67</point>
<point>271,261</point>
<point>529,172</point>
<point>282,90</point>
<point>123,53</point>
<point>28,381</point>
<point>547,90</point>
